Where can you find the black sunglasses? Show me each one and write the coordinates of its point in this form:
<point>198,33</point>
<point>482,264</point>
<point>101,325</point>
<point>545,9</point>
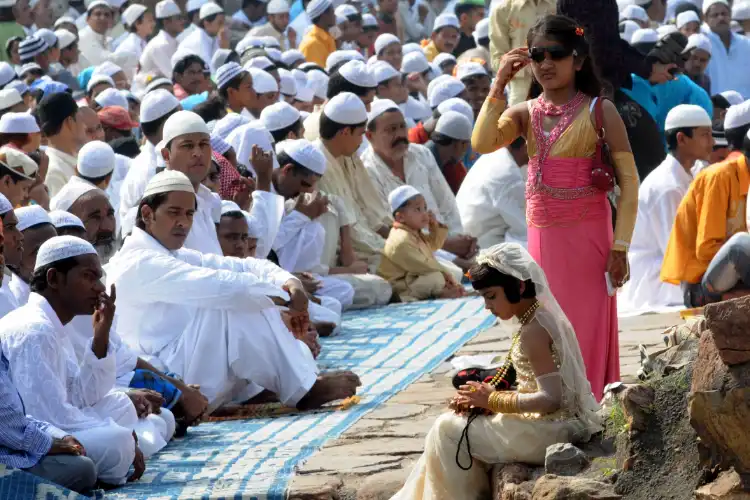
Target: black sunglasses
<point>556,53</point>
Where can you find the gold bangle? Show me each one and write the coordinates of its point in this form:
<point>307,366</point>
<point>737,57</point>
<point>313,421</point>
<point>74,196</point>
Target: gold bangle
<point>492,402</point>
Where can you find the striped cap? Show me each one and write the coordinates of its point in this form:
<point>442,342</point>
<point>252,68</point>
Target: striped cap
<point>31,46</point>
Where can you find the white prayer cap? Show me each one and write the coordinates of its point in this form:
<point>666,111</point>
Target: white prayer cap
<point>317,7</point>
<point>47,35</point>
<point>444,90</point>
<point>666,29</point>
<point>346,109</point>
<point>99,79</point>
<point>158,82</point>
<point>30,216</point>
<point>401,195</point>
<point>737,116</point>
<point>5,205</point>
<point>635,12</point>
<point>208,10</point>
<point>707,4</point>
<point>287,83</point>
<point>96,159</point>
<point>247,43</point>
<point>65,38</point>
<point>469,69</point>
<point>627,29</point>
<point>687,116</point>
<point>263,82</point>
<point>218,144</point>
<point>18,123</point>
<point>457,104</point>
<point>446,21</point>
<point>644,36</point>
<point>193,5</point>
<point>183,123</point>
<point>380,106</point>
<point>132,13</point>
<point>228,123</point>
<point>356,72</point>
<point>228,206</point>
<point>741,11</point>
<point>454,125</point>
<point>369,21</point>
<point>384,40</point>
<point>7,73</point>
<point>112,97</point>
<point>64,20</point>
<point>260,62</point>
<point>318,81</point>
<point>168,181</point>
<point>698,41</point>
<point>305,94</point>
<point>219,59</point>
<point>733,97</point>
<point>98,3</point>
<point>415,62</point>
<point>340,56</point>
<point>279,116</point>
<point>443,58</point>
<point>62,218</point>
<point>244,138</point>
<point>270,41</point>
<point>226,73</point>
<point>167,8</point>
<point>408,48</point>
<point>481,30</point>
<point>291,56</point>
<point>156,104</point>
<point>306,154</point>
<point>273,54</point>
<point>300,77</point>
<point>107,68</point>
<point>277,7</point>
<point>689,16</point>
<point>383,71</point>
<point>18,161</point>
<point>736,27</point>
<point>70,192</point>
<point>61,248</point>
<point>28,68</point>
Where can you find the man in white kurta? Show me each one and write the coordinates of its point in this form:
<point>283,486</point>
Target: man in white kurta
<point>730,51</point>
<point>157,56</point>
<point>93,41</point>
<point>12,246</point>
<point>659,197</point>
<point>201,42</point>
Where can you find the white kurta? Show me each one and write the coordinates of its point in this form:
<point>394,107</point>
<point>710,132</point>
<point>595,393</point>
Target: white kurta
<point>202,237</point>
<point>209,319</point>
<point>265,216</point>
<point>62,167</point>
<point>132,43</point>
<point>19,288</point>
<point>189,29</point>
<point>724,66</point>
<point>201,43</point>
<point>157,55</point>
<point>142,169</point>
<point>492,200</point>
<point>95,48</point>
<point>659,197</point>
<point>73,397</point>
<point>8,301</point>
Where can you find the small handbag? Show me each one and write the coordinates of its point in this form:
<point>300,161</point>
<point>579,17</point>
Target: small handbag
<point>603,171</point>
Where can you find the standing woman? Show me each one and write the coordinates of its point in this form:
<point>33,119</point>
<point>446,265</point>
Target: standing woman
<point>569,219</point>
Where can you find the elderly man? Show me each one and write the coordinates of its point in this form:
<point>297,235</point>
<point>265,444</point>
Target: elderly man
<point>93,40</point>
<point>730,51</point>
<point>175,302</point>
<point>392,162</point>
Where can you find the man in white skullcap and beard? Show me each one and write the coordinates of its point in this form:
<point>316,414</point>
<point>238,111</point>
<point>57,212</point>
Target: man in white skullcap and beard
<point>277,25</point>
<point>178,301</point>
<point>76,398</point>
<point>12,252</point>
<point>157,56</point>
<point>690,140</point>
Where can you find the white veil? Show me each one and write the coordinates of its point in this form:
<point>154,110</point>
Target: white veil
<point>512,259</point>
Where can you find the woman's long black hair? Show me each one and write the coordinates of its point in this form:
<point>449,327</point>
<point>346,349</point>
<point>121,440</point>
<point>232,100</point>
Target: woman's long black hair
<point>570,35</point>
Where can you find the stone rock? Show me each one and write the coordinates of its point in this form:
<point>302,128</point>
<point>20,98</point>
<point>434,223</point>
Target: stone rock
<point>729,321</point>
<point>502,475</point>
<point>709,370</point>
<point>637,403</point>
<point>564,459</point>
<point>522,491</point>
<point>315,488</point>
<point>728,486</point>
<point>550,487</point>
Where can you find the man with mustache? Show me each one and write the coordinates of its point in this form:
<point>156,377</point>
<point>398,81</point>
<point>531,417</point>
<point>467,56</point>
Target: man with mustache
<point>730,51</point>
<point>391,161</point>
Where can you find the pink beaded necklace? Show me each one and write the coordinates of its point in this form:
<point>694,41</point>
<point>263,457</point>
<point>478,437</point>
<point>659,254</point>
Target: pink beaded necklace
<point>566,112</point>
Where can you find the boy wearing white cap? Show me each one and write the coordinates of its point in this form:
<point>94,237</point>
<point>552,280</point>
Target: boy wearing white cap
<point>235,86</point>
<point>93,41</point>
<point>730,51</point>
<point>699,55</point>
<point>210,35</point>
<point>388,49</point>
<point>690,140</point>
<point>408,262</point>
<point>157,55</point>
<point>444,38</point>
<point>317,44</point>
<point>277,25</point>
<point>139,22</point>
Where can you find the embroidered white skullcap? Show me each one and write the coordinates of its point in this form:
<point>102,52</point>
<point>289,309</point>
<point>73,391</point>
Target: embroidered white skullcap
<point>30,216</point>
<point>447,87</point>
<point>644,36</point>
<point>107,68</point>
<point>469,69</point>
<point>96,159</point>
<point>689,16</point>
<point>228,206</point>
<point>168,181</point>
<point>208,10</point>
<point>167,8</point>
<point>291,56</point>
<point>305,94</point>
<point>481,30</point>
<point>687,116</point>
<point>263,82</point>
<point>369,21</point>
<point>193,5</point>
<point>356,72</point>
<point>226,73</point>
<point>401,195</point>
<point>277,7</point>
<point>666,29</point>
<point>415,62</point>
<point>737,116</point>
<point>628,29</point>
<point>287,83</point>
<point>18,161</point>
<point>707,4</point>
<point>61,248</point>
<point>28,68</point>
<point>5,205</point>
<point>408,48</point>
<point>244,138</point>
<point>18,85</point>
<point>279,116</point>
<point>219,145</point>
<point>183,123</point>
<point>454,125</point>
<point>446,21</point>
<point>384,40</point>
<point>156,104</point>
<point>741,11</point>
<point>17,123</point>
<point>132,13</point>
<point>340,56</point>
<point>635,12</point>
<point>70,192</point>
<point>317,7</point>
<point>158,82</point>
<point>273,54</point>
<point>457,104</point>
<point>383,71</point>
<point>228,123</point>
<point>7,73</point>
<point>380,106</point>
<point>112,97</point>
<point>346,109</point>
<point>65,38</point>
<point>443,58</point>
<point>64,20</point>
<point>733,97</point>
<point>99,79</point>
<point>62,218</point>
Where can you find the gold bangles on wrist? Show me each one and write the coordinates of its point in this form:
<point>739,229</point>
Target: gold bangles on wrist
<point>504,402</point>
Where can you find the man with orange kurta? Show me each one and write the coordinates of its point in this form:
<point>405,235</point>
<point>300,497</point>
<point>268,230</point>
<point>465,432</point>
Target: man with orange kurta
<point>318,43</point>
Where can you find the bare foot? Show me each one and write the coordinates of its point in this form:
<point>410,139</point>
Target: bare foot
<point>330,387</point>
<point>325,329</point>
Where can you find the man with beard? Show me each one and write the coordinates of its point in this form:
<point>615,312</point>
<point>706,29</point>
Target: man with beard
<point>11,252</point>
